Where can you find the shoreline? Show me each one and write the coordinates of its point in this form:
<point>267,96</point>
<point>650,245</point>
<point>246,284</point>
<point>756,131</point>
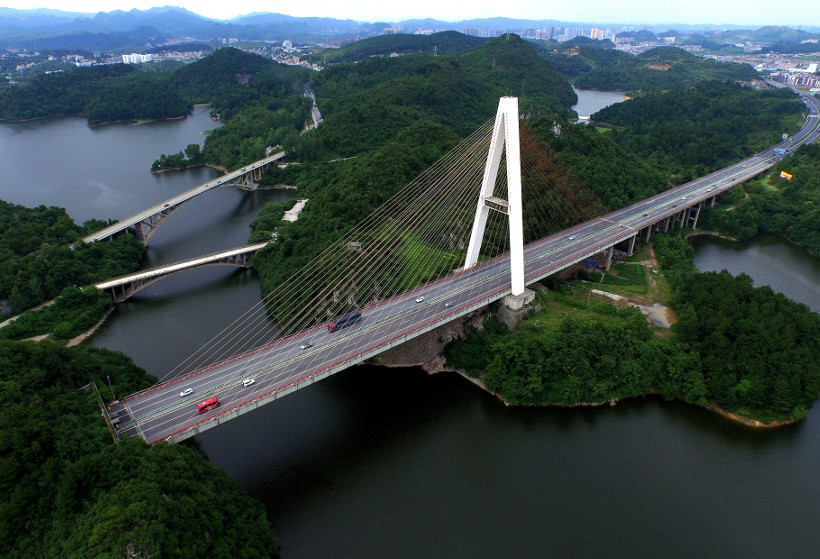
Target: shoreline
<point>711,406</point>
<point>133,121</point>
<point>736,240</point>
<point>80,338</point>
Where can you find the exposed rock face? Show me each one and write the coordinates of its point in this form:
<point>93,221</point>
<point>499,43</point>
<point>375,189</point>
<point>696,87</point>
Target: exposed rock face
<point>425,351</point>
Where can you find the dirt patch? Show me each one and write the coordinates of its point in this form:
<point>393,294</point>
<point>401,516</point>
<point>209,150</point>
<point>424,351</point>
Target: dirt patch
<point>661,67</point>
<point>658,314</point>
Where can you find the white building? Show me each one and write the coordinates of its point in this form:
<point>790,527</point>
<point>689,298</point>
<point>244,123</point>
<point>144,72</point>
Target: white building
<point>135,58</point>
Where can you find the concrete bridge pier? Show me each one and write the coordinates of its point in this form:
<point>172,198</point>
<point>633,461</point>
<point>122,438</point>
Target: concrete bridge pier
<point>148,226</point>
<point>679,218</point>
<point>609,254</point>
<point>632,245</point>
<point>250,179</point>
<point>692,216</point>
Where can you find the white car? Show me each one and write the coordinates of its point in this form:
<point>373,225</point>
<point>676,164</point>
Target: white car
<point>247,382</point>
<point>448,304</point>
<point>305,345</point>
<point>420,299</point>
<point>186,392</point>
<point>572,237</point>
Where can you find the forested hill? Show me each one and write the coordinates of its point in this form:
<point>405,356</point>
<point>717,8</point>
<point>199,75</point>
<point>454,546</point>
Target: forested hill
<point>368,103</point>
<point>103,93</point>
<point>591,66</point>
<point>444,43</point>
<point>226,78</point>
<point>70,492</point>
<point>37,261</point>
<point>223,70</point>
<point>689,131</point>
<point>510,66</point>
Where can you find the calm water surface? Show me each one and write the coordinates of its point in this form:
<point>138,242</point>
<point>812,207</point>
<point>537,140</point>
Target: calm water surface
<point>769,260</point>
<point>591,101</point>
<point>378,462</point>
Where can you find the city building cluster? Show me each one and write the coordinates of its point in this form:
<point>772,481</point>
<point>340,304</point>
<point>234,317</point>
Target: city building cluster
<point>560,34</point>
<point>802,77</point>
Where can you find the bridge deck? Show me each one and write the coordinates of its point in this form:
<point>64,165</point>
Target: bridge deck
<point>160,413</point>
<point>180,265</point>
<point>178,199</point>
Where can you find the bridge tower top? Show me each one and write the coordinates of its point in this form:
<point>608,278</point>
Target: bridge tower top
<point>504,139</point>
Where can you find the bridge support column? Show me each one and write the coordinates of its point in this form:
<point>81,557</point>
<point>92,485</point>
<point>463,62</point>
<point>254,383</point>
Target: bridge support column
<point>666,224</point>
<point>632,245</point>
<point>505,132</point>
<point>694,218</point>
<point>679,218</point>
<point>648,232</point>
<point>609,254</point>
<point>139,233</point>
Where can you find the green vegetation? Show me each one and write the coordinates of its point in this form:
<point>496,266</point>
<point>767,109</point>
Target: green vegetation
<point>268,220</point>
<point>73,312</point>
<point>759,350</point>
<point>595,65</point>
<point>630,278</point>
<point>71,492</point>
<point>662,67</point>
<point>228,79</point>
<point>261,102</point>
<point>774,204</point>
<point>192,157</point>
<point>690,131</point>
<point>37,261</point>
<point>616,176</point>
<point>385,121</point>
<point>103,93</point>
<point>340,193</point>
<point>750,350</point>
<point>219,74</point>
<point>447,42</point>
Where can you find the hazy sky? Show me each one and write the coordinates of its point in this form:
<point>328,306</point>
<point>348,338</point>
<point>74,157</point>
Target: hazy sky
<point>738,12</point>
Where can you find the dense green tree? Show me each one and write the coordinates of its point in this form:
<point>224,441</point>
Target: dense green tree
<point>752,351</point>
<point>690,131</point>
<point>102,93</point>
<point>592,67</point>
<point>775,204</point>
<point>71,492</point>
<point>37,260</point>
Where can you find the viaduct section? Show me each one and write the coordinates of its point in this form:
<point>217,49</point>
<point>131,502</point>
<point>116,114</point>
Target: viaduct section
<point>146,222</point>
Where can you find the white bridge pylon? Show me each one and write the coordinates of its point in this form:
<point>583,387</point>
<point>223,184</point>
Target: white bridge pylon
<point>505,134</point>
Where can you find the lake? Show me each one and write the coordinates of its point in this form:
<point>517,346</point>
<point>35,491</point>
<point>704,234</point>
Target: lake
<point>377,462</point>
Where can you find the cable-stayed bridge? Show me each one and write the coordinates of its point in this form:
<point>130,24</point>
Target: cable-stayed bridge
<point>424,236</point>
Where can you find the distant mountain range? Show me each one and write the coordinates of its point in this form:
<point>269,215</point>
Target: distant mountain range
<point>118,30</point>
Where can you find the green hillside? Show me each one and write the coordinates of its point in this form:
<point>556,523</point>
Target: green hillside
<point>70,492</point>
<point>689,131</point>
<point>592,67</point>
<point>444,43</point>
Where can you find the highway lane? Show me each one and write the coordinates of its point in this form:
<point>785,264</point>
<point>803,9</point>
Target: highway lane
<point>170,204</point>
<point>283,366</point>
